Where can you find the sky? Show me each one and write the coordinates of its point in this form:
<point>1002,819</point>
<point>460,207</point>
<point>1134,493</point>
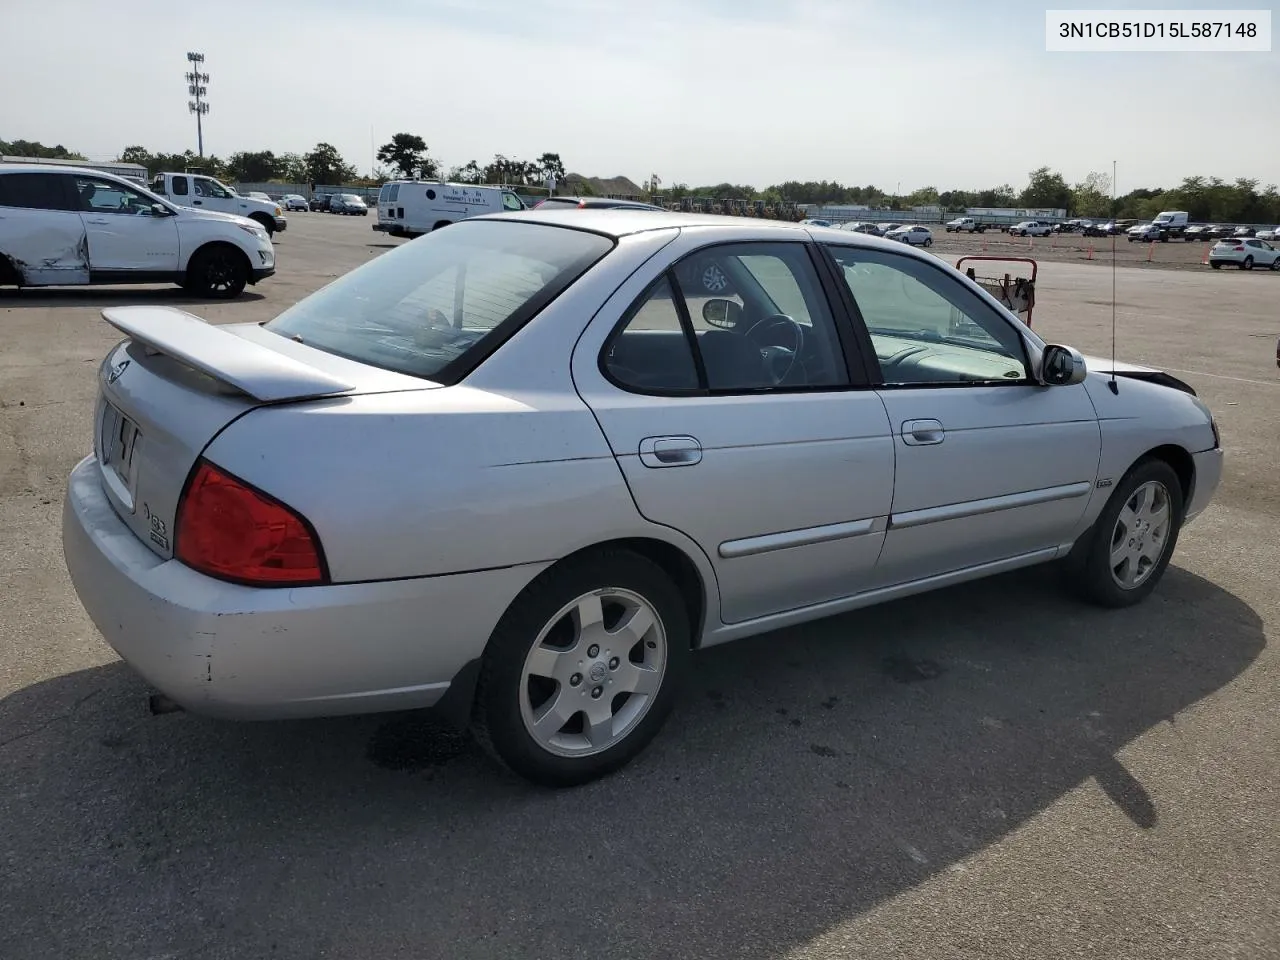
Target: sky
<point>897,93</point>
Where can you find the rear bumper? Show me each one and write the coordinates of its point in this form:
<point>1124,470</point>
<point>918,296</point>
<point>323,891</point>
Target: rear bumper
<point>238,652</point>
<point>1208,475</point>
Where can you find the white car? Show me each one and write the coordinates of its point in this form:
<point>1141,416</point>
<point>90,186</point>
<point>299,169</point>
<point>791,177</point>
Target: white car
<point>1143,231</point>
<point>915,235</point>
<point>1245,253</point>
<point>62,226</point>
<point>1271,234</point>
<point>1030,228</point>
<point>292,201</point>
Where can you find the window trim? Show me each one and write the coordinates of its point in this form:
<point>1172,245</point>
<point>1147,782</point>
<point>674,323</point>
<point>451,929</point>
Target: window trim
<point>856,375</point>
<point>873,359</point>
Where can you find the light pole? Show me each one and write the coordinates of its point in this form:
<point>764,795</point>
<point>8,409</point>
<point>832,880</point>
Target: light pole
<point>196,81</point>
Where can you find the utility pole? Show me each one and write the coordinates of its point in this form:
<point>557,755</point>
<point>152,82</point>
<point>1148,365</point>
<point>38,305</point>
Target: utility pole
<point>196,81</point>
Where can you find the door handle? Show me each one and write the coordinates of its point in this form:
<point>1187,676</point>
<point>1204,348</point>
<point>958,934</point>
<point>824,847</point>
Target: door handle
<point>922,433</point>
<point>670,451</point>
<point>198,203</point>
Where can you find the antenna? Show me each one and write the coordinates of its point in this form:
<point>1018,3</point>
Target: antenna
<point>1112,383</point>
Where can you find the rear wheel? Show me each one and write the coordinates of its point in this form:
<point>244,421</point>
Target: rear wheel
<point>1124,556</point>
<point>928,241</point>
<point>1247,263</point>
<point>583,669</point>
<point>1215,265</point>
<point>217,271</point>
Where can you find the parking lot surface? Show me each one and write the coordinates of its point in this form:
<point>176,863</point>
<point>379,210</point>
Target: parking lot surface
<point>993,771</point>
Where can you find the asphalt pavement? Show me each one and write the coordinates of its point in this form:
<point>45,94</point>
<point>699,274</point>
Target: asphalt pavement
<point>992,771</point>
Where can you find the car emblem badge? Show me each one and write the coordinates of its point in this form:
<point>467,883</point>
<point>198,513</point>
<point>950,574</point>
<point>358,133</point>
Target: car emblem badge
<point>117,370</point>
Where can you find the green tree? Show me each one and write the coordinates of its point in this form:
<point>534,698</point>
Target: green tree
<point>550,165</point>
<point>407,152</point>
<point>1092,196</point>
<point>293,168</point>
<point>34,148</point>
<point>255,166</point>
<point>924,197</point>
<point>325,165</point>
<point>469,172</point>
<point>1046,189</point>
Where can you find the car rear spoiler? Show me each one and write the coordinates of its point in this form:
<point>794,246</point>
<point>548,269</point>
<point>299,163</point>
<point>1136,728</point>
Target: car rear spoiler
<point>251,368</point>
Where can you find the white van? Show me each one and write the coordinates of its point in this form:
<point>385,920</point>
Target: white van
<point>407,208</point>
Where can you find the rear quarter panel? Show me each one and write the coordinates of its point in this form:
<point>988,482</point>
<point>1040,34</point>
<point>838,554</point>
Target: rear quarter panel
<point>509,467</point>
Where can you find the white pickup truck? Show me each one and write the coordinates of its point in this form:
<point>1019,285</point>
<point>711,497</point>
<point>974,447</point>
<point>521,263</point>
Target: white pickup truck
<point>965,225</point>
<point>205,193</point>
<point>1030,228</point>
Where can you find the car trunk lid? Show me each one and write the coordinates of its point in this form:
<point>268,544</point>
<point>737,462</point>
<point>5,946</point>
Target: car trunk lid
<point>177,381</point>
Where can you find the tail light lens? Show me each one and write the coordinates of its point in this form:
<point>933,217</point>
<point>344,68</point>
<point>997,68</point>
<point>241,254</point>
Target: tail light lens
<point>229,530</point>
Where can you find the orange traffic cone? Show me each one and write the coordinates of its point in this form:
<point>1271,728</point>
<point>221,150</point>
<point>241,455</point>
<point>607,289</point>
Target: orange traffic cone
<point>1090,256</point>
<point>1205,258</point>
<point>1151,251</point>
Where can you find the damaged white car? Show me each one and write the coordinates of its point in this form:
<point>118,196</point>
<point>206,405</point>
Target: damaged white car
<point>69,226</point>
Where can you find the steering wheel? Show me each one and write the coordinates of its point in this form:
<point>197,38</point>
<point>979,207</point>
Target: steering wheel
<point>776,357</point>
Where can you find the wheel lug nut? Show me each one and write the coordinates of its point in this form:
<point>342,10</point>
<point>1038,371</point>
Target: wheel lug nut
<point>593,650</point>
<point>613,663</point>
<point>595,693</point>
<point>575,680</point>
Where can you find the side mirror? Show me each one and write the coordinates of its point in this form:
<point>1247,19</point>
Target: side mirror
<point>719,312</point>
<point>160,210</point>
<point>1061,366</point>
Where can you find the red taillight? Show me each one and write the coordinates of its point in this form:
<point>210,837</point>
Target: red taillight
<point>582,204</point>
<point>1240,249</point>
<point>229,530</point>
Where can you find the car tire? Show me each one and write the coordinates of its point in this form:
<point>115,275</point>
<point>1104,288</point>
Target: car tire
<point>1215,265</point>
<point>1130,529</point>
<point>265,222</point>
<point>928,241</point>
<point>515,688</point>
<point>1246,263</point>
<point>219,270</point>
<point>1275,264</point>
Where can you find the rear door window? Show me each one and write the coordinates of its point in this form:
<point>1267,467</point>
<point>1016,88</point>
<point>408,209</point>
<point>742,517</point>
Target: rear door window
<point>35,191</point>
<point>179,186</point>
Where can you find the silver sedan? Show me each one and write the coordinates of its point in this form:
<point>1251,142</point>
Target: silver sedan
<point>521,469</point>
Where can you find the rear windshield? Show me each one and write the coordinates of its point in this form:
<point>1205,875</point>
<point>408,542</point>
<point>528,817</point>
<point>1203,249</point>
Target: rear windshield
<point>438,305</point>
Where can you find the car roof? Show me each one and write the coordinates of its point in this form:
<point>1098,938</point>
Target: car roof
<point>618,223</point>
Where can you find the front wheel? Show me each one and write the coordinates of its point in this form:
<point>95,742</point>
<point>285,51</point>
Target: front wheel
<point>1133,539</point>
<point>1275,264</point>
<point>582,669</point>
<point>218,271</point>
